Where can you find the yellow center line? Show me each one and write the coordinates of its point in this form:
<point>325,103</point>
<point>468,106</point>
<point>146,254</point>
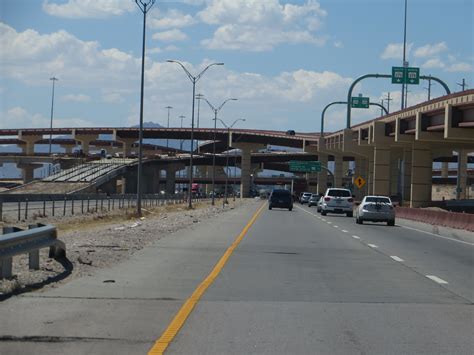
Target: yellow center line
<point>180,318</point>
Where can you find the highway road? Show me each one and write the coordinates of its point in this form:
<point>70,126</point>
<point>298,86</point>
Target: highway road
<point>263,282</point>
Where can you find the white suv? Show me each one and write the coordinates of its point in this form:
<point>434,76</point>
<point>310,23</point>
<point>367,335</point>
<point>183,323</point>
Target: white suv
<point>337,201</point>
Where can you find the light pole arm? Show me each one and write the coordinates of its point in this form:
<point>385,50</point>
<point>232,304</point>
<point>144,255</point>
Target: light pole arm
<point>211,106</point>
<point>205,69</point>
<point>222,105</point>
<point>379,105</point>
<point>443,84</point>
<point>324,111</point>
<point>349,93</point>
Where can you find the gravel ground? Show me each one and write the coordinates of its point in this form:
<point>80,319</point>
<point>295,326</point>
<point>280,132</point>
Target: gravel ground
<point>101,241</point>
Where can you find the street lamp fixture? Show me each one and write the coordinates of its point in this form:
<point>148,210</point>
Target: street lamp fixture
<point>194,80</point>
<point>145,6</point>
<point>215,110</point>
<point>227,155</point>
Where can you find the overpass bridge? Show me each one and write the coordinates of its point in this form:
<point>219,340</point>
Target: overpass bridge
<point>394,153</point>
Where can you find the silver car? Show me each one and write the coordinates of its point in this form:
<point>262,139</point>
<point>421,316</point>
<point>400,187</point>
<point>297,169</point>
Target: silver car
<point>313,200</point>
<point>376,209</point>
<point>337,201</point>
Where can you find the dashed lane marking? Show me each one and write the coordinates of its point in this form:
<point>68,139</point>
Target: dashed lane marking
<point>344,231</point>
<point>355,237</point>
<point>396,258</point>
<point>437,279</point>
<point>372,246</point>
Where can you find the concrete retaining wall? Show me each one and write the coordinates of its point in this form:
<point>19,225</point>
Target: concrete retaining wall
<point>455,220</point>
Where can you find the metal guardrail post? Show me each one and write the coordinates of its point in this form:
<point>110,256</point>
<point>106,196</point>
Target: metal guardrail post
<point>33,256</point>
<point>53,207</point>
<point>44,208</point>
<point>88,203</point>
<point>72,206</point>
<point>1,211</point>
<point>19,210</point>
<point>64,206</point>
<point>113,204</point>
<point>26,209</point>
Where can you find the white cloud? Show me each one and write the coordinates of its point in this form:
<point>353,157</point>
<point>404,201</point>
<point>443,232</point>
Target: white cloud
<point>31,57</point>
<point>76,98</point>
<point>88,8</point>
<point>433,63</point>
<point>395,51</point>
<point>171,19</point>
<point>170,36</point>
<point>460,67</point>
<point>261,25</point>
<point>338,44</point>
<point>430,50</point>
<point>157,50</point>
<point>18,117</point>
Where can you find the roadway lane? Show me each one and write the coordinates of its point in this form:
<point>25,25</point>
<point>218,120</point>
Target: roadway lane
<point>445,257</point>
<point>298,285</point>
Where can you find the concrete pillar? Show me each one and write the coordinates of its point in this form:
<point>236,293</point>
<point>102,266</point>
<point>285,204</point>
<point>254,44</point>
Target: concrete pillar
<point>323,175</point>
<point>407,166</point>
<point>381,170</point>
<point>171,170</point>
<point>121,186</point>
<point>445,170</point>
<point>421,175</point>
<point>245,165</point>
<point>370,174</point>
<point>28,171</point>
<point>85,141</point>
<point>462,156</point>
<point>394,174</point>
<point>29,147</point>
<point>67,149</point>
<point>338,171</point>
<point>127,146</point>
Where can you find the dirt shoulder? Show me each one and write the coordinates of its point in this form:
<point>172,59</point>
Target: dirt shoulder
<point>99,241</point>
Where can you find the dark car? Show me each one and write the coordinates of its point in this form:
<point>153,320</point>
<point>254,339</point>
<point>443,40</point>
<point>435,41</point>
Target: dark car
<point>281,199</point>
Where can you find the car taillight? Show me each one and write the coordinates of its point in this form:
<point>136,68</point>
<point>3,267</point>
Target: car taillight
<point>327,199</point>
<point>351,200</point>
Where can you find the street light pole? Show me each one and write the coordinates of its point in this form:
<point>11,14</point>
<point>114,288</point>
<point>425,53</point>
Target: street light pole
<point>198,97</point>
<point>215,110</point>
<point>145,6</point>
<point>53,79</point>
<point>168,126</point>
<point>227,154</point>
<point>405,64</point>
<point>194,80</point>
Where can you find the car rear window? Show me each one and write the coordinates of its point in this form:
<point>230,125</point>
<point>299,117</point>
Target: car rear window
<point>339,193</point>
<point>281,193</point>
<point>377,199</point>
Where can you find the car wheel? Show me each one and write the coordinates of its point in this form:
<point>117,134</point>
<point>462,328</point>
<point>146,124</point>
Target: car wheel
<point>324,213</point>
<point>290,209</point>
<point>269,207</point>
<point>391,223</point>
<point>349,214</point>
<point>361,221</point>
<point>358,220</point>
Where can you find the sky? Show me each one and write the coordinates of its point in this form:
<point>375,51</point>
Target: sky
<point>283,60</point>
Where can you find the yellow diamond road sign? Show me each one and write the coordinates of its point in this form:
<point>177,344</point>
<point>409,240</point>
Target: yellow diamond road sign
<point>359,182</point>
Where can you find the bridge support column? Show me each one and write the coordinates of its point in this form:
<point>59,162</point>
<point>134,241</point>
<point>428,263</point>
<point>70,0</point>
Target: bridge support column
<point>395,160</point>
<point>370,174</point>
<point>406,182</point>
<point>381,170</point>
<point>67,149</point>
<point>85,141</point>
<point>337,170</point>
<point>29,147</point>
<point>323,175</point>
<point>462,173</point>
<point>28,171</point>
<point>171,170</point>
<point>246,166</point>
<point>445,170</point>
<point>421,175</point>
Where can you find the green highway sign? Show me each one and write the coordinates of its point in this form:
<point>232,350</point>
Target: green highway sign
<point>398,75</point>
<point>412,76</point>
<point>408,75</point>
<point>305,166</point>
<point>360,102</point>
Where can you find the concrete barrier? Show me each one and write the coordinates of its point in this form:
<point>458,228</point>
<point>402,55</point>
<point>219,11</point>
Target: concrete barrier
<point>455,220</point>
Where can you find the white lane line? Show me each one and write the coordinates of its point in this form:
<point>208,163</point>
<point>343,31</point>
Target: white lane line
<point>322,219</point>
<point>396,258</point>
<point>336,226</point>
<point>328,222</point>
<point>372,245</point>
<point>344,231</point>
<point>439,236</point>
<point>355,237</point>
<point>437,279</point>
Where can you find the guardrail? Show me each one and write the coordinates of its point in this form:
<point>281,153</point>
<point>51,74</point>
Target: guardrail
<point>439,218</point>
<point>35,207</point>
<point>15,241</point>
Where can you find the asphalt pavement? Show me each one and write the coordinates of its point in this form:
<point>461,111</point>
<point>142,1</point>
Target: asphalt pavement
<point>296,283</point>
